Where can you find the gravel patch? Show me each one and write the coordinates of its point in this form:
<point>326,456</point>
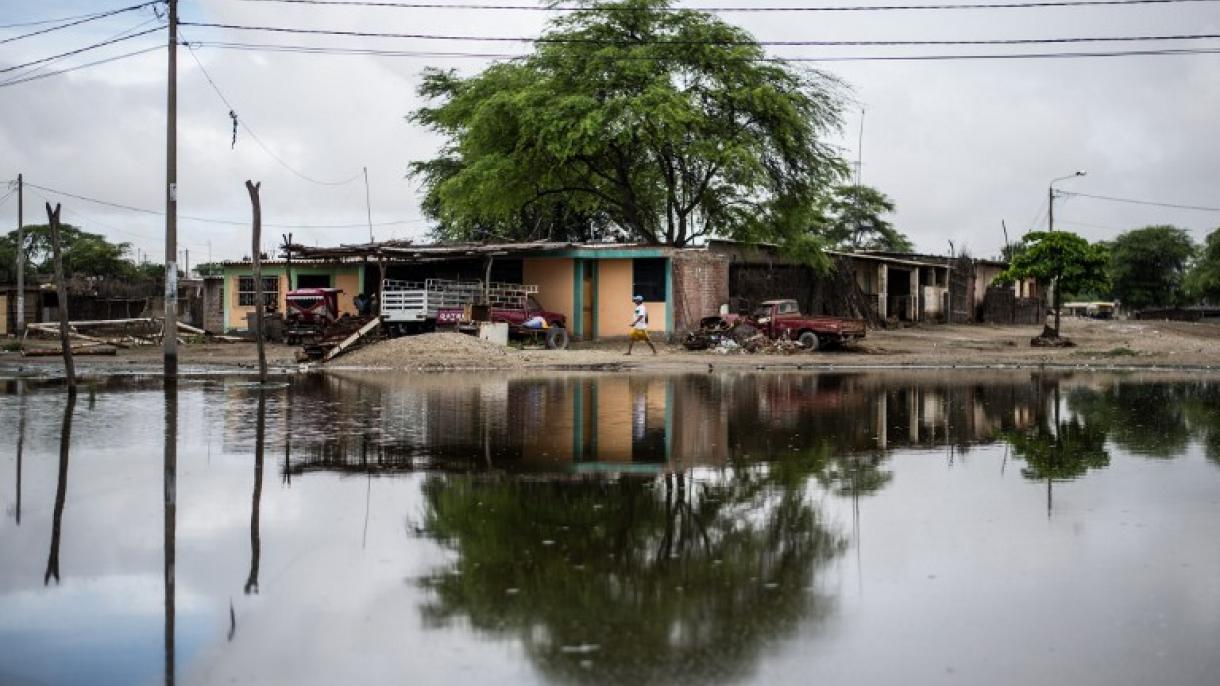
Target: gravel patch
<point>446,350</point>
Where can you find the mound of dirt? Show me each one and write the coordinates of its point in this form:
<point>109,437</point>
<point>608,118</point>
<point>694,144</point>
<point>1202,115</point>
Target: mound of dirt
<point>438,351</point>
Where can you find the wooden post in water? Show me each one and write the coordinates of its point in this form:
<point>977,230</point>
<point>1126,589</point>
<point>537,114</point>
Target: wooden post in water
<point>256,257</point>
<point>61,292</point>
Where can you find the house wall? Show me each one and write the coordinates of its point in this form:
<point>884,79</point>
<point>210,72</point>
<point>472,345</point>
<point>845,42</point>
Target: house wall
<point>700,287</point>
<point>214,305</point>
<point>614,307</point>
<point>345,277</point>
<point>556,287</point>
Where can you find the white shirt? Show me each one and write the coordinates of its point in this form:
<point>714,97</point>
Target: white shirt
<point>641,317</point>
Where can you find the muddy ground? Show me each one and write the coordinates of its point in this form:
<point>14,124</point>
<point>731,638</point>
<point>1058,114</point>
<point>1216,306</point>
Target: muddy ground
<point>1099,344</point>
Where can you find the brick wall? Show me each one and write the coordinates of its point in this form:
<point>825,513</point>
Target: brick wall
<point>700,287</point>
<point>213,305</point>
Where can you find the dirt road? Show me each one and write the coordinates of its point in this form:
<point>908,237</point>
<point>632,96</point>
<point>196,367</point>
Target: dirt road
<point>1099,345</point>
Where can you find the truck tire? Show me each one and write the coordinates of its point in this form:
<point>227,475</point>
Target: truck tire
<point>809,341</point>
<point>557,338</point>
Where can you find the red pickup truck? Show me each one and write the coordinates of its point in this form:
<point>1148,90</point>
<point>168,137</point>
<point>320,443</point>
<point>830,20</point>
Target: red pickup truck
<point>782,319</point>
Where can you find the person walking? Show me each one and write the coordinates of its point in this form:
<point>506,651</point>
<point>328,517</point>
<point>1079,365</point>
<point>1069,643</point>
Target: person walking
<point>639,326</point>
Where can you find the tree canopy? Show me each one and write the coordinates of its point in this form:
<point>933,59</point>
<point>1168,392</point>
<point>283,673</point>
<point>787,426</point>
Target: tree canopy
<point>84,254</point>
<point>1061,258</point>
<point>1203,279</point>
<point>1148,266</point>
<point>856,220</point>
<point>647,123</point>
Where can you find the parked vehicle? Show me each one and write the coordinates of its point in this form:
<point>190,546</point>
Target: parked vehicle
<point>408,308</point>
<point>778,320</point>
<point>310,311</point>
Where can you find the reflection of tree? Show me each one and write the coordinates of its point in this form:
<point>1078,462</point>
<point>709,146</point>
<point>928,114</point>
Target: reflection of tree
<point>61,488</point>
<point>1146,419</point>
<point>1202,411</point>
<point>1062,452</point>
<point>654,580</point>
<point>260,431</point>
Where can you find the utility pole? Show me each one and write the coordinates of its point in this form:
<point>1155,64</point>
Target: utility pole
<point>20,255</point>
<point>187,268</point>
<point>368,205</point>
<point>288,259</point>
<point>170,336</point>
<point>1050,208</point>
<point>61,293</point>
<point>256,257</point>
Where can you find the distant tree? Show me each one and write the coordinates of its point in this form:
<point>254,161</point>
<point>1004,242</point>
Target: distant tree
<point>856,220</point>
<point>1148,266</point>
<point>84,254</point>
<point>650,122</point>
<point>1062,259</point>
<point>1203,279</point>
<point>207,269</point>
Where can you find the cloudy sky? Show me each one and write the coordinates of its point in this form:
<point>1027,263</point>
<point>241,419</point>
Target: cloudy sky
<point>960,145</point>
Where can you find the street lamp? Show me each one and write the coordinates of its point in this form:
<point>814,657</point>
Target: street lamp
<point>1050,197</point>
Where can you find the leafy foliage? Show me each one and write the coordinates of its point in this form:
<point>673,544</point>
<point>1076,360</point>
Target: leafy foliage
<point>1148,266</point>
<point>1061,258</point>
<point>1203,279</point>
<point>84,254</point>
<point>645,123</point>
<point>856,220</point>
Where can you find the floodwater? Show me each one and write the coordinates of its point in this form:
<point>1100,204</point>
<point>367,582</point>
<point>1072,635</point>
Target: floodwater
<point>769,528</point>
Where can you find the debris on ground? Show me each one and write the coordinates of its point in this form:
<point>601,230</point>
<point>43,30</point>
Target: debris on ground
<point>439,351</point>
<point>1049,338</point>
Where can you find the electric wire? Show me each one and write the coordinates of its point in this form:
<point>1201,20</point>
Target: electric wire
<point>1151,203</point>
<point>45,65</point>
<point>739,8</point>
<point>43,22</point>
<point>78,22</point>
<point>86,65</point>
<point>78,51</point>
<point>373,52</point>
<point>225,222</point>
<point>791,43</point>
<point>253,136</point>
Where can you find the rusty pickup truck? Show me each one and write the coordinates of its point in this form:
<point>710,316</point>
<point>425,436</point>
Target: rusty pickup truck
<point>779,320</point>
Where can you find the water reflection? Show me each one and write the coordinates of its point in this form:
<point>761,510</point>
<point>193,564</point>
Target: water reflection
<point>681,580</point>
<point>170,514</point>
<point>20,447</point>
<point>609,528</point>
<point>255,500</point>
<point>61,489</point>
<point>592,423</point>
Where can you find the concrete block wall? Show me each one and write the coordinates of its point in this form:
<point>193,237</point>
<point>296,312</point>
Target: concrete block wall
<point>700,287</point>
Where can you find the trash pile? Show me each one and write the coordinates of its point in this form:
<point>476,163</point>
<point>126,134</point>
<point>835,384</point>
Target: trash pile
<point>730,339</point>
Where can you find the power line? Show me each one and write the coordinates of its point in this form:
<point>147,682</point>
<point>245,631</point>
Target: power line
<point>124,32</point>
<point>78,51</point>
<point>225,222</point>
<point>1143,202</point>
<point>78,22</point>
<point>373,52</point>
<point>242,123</point>
<point>600,41</point>
<point>42,22</point>
<point>86,65</point>
<point>841,8</point>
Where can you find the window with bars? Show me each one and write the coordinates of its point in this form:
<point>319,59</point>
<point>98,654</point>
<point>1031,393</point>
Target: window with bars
<point>648,279</point>
<point>245,291</point>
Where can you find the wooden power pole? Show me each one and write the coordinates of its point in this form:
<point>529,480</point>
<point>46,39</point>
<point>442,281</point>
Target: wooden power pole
<point>256,258</point>
<point>170,336</point>
<point>61,292</point>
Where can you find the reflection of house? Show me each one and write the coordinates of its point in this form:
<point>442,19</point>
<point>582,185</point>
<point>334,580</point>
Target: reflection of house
<point>627,422</point>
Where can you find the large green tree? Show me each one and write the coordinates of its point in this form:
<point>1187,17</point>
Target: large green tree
<point>637,120</point>
<point>1148,266</point>
<point>1061,260</point>
<point>1203,279</point>
<point>84,254</point>
<point>855,219</point>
